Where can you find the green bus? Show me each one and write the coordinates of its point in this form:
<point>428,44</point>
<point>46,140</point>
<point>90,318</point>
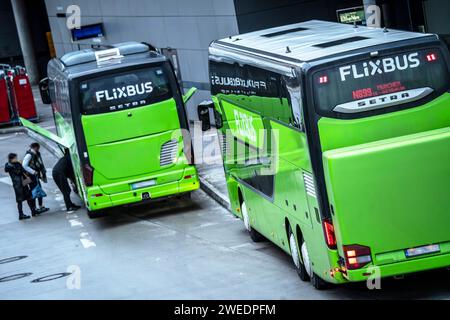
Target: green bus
<point>121,114</point>
<point>336,146</point>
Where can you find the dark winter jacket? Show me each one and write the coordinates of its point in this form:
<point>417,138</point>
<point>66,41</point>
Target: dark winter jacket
<point>17,174</point>
<point>64,168</point>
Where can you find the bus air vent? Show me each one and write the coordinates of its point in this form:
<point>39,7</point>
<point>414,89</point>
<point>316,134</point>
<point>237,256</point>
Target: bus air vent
<point>283,32</point>
<point>224,143</point>
<point>169,152</point>
<point>310,186</point>
<point>339,42</point>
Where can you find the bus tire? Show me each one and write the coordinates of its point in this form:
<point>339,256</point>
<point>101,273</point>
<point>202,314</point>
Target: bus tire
<point>318,283</point>
<point>296,257</point>
<point>95,214</point>
<point>185,196</point>
<point>254,235</point>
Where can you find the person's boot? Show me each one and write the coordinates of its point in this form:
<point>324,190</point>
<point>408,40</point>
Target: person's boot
<point>23,217</point>
<point>35,213</point>
<point>73,207</point>
<point>43,210</point>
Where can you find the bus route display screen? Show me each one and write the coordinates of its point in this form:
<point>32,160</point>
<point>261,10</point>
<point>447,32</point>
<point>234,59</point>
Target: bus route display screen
<point>125,90</point>
<point>380,82</point>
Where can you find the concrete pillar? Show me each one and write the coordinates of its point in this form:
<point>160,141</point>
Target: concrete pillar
<point>26,40</point>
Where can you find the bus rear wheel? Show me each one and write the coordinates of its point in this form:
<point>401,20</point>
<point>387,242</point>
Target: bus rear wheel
<point>296,257</point>
<point>254,235</point>
<point>95,214</point>
<point>317,282</point>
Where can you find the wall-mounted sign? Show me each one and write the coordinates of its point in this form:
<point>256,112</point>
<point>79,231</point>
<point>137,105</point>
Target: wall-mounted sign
<point>88,32</point>
<point>352,16</point>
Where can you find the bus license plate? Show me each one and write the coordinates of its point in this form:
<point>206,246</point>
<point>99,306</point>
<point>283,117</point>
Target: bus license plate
<point>146,196</point>
<point>415,252</point>
<point>144,184</point>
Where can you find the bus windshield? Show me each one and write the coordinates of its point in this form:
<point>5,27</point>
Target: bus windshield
<point>124,90</point>
<point>380,82</point>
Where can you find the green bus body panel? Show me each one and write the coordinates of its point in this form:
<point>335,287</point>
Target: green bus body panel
<point>46,134</point>
<point>290,158</point>
<point>335,133</point>
<point>392,194</point>
<point>387,178</point>
<point>131,158</point>
<point>133,139</point>
<point>244,125</point>
<point>187,97</point>
<point>133,142</point>
<point>128,124</point>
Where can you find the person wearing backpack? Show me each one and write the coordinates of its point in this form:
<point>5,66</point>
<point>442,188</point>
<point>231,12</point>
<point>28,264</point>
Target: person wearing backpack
<point>21,184</point>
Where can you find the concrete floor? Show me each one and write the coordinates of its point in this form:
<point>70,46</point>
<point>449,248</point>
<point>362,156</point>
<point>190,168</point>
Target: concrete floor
<point>172,250</point>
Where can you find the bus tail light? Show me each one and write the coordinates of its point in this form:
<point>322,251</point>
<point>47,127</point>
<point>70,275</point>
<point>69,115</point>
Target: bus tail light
<point>88,175</point>
<point>431,57</point>
<point>330,236</point>
<point>357,256</point>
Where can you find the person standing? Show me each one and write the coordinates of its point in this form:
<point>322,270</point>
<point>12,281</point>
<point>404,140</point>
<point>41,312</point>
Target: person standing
<point>62,171</point>
<point>34,165</point>
<point>20,182</point>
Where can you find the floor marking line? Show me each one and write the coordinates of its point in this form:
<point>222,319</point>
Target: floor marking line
<point>86,240</point>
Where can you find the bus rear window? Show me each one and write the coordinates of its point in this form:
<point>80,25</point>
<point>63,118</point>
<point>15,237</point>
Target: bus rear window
<point>125,90</point>
<point>380,82</point>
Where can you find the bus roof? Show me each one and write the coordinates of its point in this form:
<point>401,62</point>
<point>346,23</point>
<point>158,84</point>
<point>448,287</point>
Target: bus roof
<point>94,60</point>
<point>314,40</point>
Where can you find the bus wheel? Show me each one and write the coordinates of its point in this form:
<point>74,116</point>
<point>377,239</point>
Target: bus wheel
<point>316,281</point>
<point>295,253</point>
<point>255,235</point>
<point>95,214</point>
<point>185,196</point>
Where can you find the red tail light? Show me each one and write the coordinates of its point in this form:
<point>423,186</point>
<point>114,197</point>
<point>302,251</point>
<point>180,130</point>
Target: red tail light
<point>357,256</point>
<point>431,57</point>
<point>330,236</point>
<point>323,79</point>
<point>88,175</point>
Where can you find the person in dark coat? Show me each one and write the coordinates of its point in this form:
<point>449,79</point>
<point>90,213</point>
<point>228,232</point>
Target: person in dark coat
<point>62,171</point>
<point>23,192</point>
<point>34,165</point>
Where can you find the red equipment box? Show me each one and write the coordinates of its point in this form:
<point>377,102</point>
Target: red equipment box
<point>5,115</point>
<point>22,95</point>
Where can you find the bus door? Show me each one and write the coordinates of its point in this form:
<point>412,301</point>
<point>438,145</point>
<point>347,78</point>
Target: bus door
<point>61,142</point>
<point>384,130</point>
<point>250,163</point>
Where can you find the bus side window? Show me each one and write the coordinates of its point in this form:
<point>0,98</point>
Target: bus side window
<point>293,88</point>
<point>51,88</point>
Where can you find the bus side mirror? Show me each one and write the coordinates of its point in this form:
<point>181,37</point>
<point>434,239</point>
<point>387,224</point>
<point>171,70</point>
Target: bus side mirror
<point>189,94</point>
<point>45,91</point>
<point>204,116</point>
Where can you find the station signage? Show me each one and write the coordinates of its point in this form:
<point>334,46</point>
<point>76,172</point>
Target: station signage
<point>88,32</point>
<point>352,16</point>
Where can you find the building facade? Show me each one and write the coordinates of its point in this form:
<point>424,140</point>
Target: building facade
<point>183,29</point>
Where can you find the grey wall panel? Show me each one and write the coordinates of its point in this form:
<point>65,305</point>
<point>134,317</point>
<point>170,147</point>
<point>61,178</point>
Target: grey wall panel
<point>186,25</point>
<point>437,11</point>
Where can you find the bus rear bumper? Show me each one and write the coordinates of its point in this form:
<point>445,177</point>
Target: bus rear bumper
<point>399,268</point>
<point>189,183</point>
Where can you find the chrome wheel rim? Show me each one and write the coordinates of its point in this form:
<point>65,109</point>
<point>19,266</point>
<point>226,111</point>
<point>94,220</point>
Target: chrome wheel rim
<point>245,217</point>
